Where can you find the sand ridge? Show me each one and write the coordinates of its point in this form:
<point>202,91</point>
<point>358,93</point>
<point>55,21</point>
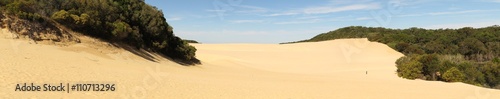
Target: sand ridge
<point>317,70</point>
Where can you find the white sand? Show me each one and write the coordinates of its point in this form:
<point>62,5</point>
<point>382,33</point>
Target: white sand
<point>320,70</point>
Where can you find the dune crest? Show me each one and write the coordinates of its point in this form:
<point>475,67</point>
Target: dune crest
<point>346,68</point>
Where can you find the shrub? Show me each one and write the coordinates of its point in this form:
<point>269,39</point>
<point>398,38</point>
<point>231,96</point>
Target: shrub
<point>121,30</point>
<point>453,75</point>
<point>492,73</point>
<point>413,49</point>
<point>409,68</point>
<point>400,47</point>
<point>431,65</point>
<point>473,75</point>
<point>455,59</point>
<point>61,16</point>
<point>191,41</point>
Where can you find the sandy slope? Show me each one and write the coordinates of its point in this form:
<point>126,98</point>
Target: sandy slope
<point>331,69</point>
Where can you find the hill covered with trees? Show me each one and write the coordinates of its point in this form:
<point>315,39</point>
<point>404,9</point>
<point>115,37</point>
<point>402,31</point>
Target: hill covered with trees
<point>132,22</point>
<point>469,55</point>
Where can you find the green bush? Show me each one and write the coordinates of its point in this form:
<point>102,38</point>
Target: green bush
<point>431,65</point>
<point>453,75</point>
<point>491,72</point>
<point>121,30</point>
<point>400,47</point>
<point>61,16</point>
<point>473,75</point>
<point>409,68</point>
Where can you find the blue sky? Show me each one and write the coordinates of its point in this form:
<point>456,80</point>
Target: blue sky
<point>275,21</point>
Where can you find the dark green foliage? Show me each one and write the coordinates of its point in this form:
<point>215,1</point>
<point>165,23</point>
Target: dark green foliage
<point>121,30</point>
<point>24,9</point>
<point>471,46</point>
<point>453,75</point>
<point>431,65</point>
<point>432,53</point>
<point>130,21</point>
<point>492,74</point>
<point>474,75</point>
<point>191,41</point>
<point>294,42</point>
<point>413,49</point>
<point>61,16</point>
<point>435,47</point>
<point>400,47</point>
<point>409,68</point>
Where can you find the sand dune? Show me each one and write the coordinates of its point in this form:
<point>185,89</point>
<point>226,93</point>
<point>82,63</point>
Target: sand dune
<point>347,68</point>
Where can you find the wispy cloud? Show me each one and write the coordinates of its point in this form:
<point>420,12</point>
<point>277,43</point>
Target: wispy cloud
<point>497,1</point>
<point>446,13</point>
<point>323,10</point>
<point>341,2</point>
<point>363,18</point>
<point>247,21</point>
<point>310,17</point>
<point>457,12</point>
<point>283,13</point>
<point>318,19</point>
<point>251,9</point>
<point>300,21</point>
<point>241,9</point>
<point>173,19</point>
<point>461,25</point>
<point>329,9</point>
<point>212,10</point>
<point>410,2</point>
<point>410,15</point>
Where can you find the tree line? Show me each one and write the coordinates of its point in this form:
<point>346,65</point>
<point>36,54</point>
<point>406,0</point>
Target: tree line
<point>129,21</point>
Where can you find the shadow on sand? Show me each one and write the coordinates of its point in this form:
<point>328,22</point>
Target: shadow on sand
<point>153,56</point>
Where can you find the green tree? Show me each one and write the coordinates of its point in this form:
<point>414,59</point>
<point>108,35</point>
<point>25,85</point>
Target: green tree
<point>414,49</point>
<point>121,30</point>
<point>471,46</point>
<point>402,46</point>
<point>434,47</point>
<point>431,65</point>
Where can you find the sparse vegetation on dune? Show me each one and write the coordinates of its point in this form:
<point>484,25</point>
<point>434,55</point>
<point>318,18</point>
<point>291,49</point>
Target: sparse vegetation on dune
<point>128,21</point>
<point>469,55</point>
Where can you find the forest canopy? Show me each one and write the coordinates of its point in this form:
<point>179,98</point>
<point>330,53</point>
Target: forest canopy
<point>129,21</point>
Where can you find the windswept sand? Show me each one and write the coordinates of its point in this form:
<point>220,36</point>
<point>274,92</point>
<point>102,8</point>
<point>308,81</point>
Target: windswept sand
<point>347,68</point>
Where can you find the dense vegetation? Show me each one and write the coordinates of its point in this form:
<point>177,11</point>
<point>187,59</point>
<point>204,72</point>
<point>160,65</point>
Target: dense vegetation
<point>128,21</point>
<point>469,55</point>
<point>191,41</point>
